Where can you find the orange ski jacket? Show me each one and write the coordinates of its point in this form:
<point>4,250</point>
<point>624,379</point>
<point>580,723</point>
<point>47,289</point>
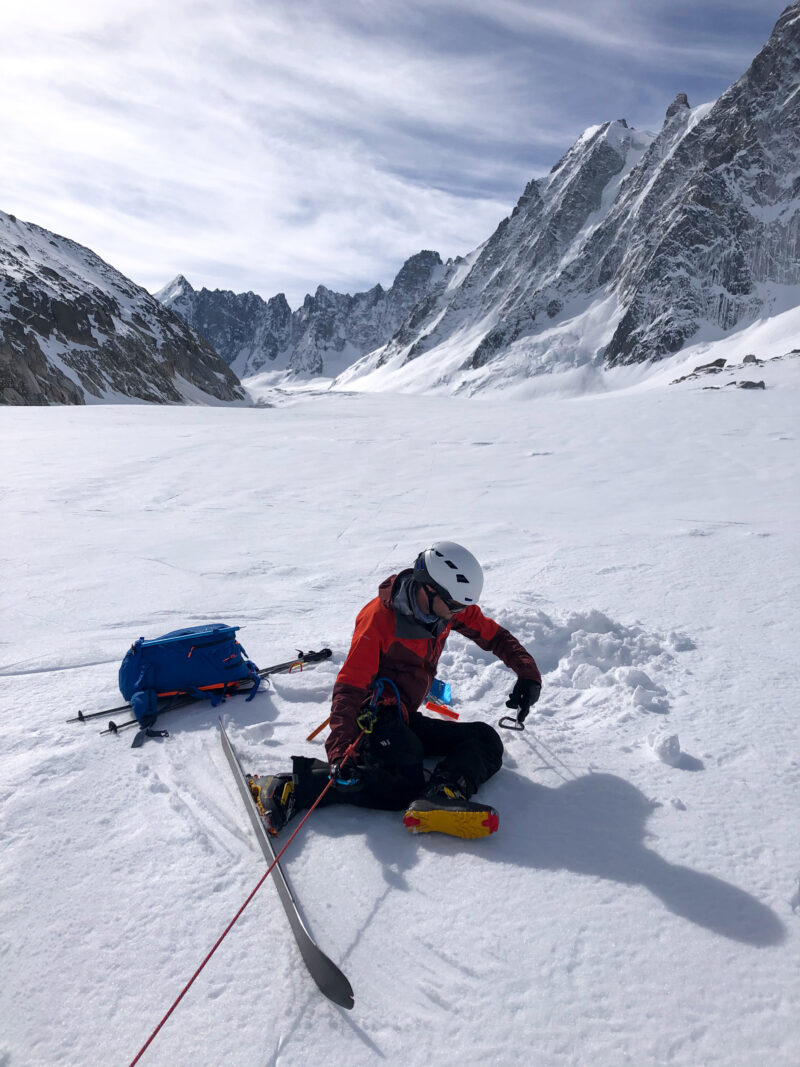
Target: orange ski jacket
<point>389,644</point>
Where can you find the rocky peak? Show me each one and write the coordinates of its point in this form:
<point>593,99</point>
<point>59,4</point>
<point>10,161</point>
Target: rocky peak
<point>678,105</point>
<point>178,287</point>
<point>417,271</point>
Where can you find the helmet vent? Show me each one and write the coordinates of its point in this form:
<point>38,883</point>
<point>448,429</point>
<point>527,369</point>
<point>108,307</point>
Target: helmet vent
<point>462,578</point>
<point>451,565</point>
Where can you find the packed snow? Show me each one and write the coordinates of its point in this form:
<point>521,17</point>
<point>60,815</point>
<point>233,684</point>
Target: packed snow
<point>639,904</point>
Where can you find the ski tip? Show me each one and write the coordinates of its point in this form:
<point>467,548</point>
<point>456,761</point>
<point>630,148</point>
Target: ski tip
<point>341,994</point>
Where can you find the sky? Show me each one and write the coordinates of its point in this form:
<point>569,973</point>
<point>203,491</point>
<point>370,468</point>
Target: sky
<point>276,146</point>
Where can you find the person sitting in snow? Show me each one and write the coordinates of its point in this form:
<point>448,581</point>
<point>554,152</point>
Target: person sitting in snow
<point>397,642</point>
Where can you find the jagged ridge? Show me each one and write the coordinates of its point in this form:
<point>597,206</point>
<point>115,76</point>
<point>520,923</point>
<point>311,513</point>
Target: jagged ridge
<point>324,335</point>
<point>631,246</point>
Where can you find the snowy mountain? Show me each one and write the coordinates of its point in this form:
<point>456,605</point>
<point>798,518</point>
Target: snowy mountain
<point>249,332</point>
<point>73,330</point>
<point>324,336</point>
<point>633,245</point>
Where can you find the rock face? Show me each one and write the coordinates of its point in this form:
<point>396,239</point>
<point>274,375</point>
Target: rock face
<point>527,280</point>
<point>326,334</point>
<point>631,245</point>
<point>248,331</point>
<point>74,330</point>
<point>722,197</point>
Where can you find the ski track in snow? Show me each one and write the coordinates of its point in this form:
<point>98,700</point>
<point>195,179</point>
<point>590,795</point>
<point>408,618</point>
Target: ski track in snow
<point>639,904</point>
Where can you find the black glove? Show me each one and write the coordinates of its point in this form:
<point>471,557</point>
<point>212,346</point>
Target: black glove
<point>523,696</point>
<point>347,778</point>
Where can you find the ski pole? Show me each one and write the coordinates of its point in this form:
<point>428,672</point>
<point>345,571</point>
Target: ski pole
<point>115,727</point>
<point>258,885</point>
<point>84,717</point>
<point>303,661</point>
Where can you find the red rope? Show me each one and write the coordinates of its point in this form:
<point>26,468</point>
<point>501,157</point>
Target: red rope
<point>230,925</point>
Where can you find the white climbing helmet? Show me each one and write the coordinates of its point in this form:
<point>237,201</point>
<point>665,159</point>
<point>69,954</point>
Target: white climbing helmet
<point>451,568</point>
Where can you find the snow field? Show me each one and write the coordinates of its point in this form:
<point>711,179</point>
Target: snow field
<point>643,545</point>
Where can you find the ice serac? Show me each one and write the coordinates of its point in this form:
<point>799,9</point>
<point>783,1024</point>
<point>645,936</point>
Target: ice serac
<point>74,330</point>
<point>323,336</point>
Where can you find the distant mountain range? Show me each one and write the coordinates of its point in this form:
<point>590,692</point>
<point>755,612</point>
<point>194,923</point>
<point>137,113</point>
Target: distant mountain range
<point>323,336</point>
<point>633,245</point>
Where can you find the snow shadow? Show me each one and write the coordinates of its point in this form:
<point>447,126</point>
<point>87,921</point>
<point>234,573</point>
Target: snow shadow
<point>596,825</point>
<point>593,825</point>
<point>690,763</point>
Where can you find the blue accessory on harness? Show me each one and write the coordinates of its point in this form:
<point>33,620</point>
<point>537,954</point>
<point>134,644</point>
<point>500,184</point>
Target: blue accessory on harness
<point>441,691</point>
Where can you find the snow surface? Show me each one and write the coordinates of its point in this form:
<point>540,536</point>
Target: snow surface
<point>640,903</point>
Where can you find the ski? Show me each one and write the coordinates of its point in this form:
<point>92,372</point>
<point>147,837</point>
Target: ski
<point>301,661</point>
<point>329,979</point>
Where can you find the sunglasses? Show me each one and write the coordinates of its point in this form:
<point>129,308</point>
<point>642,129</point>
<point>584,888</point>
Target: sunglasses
<point>449,603</point>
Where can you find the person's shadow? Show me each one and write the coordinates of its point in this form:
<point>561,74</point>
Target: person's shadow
<point>591,825</point>
<point>596,825</point>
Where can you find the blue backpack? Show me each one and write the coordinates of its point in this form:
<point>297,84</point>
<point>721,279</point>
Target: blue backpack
<point>201,661</point>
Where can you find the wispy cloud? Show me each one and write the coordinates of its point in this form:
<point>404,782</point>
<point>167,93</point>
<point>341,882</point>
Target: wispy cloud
<point>267,145</point>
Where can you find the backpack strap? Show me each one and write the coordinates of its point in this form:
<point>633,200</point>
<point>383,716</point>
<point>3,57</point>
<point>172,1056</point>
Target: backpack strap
<point>252,670</point>
<point>144,704</point>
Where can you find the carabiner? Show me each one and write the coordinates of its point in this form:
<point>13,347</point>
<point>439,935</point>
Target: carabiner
<point>511,724</point>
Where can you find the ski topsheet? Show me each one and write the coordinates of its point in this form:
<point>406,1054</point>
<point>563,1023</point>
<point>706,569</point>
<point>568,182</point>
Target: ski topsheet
<point>330,980</point>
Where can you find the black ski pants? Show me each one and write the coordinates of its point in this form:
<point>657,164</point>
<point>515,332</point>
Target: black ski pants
<point>391,759</point>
